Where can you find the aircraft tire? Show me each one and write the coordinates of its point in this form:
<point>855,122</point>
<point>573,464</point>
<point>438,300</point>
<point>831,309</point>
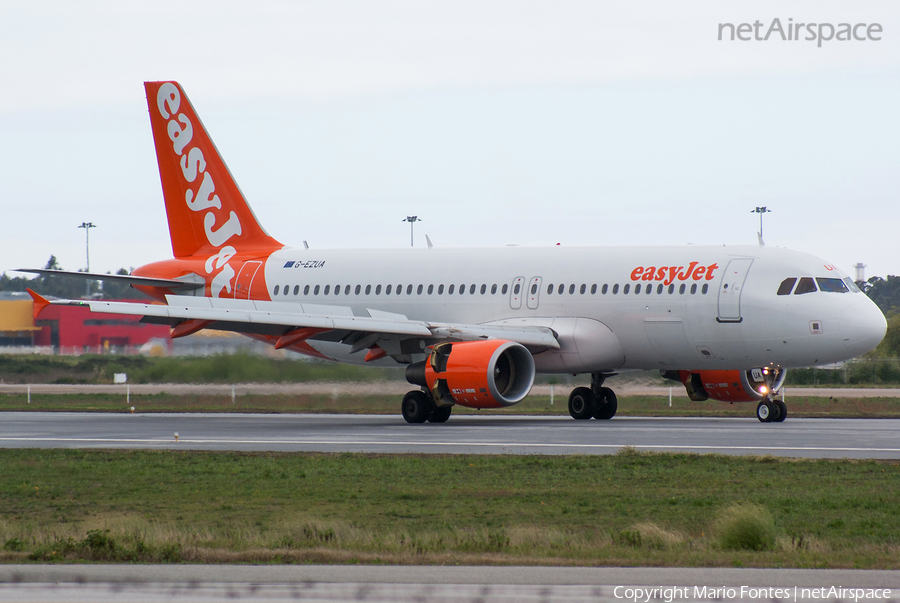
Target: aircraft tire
<point>416,407</point>
<point>607,404</point>
<point>782,408</point>
<point>440,414</point>
<point>765,411</point>
<point>582,403</point>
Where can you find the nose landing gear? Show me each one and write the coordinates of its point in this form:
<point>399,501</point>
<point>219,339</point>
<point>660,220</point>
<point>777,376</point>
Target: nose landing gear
<point>771,411</point>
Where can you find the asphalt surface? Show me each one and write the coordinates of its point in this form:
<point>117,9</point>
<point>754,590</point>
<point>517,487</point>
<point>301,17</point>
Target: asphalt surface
<point>815,438</point>
<point>399,584</point>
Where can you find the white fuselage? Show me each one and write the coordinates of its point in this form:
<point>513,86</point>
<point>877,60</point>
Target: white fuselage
<point>613,308</point>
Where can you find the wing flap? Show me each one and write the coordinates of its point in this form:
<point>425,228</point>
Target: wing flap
<point>255,314</point>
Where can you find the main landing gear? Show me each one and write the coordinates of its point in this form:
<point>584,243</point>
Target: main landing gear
<point>418,407</point>
<point>771,411</point>
<point>595,401</point>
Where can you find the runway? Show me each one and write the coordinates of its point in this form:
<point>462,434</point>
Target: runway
<point>812,438</point>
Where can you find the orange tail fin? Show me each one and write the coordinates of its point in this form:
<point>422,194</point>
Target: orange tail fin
<point>207,212</point>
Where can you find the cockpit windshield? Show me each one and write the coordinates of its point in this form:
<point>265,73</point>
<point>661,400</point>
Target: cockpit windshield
<point>808,284</point>
<point>832,285</point>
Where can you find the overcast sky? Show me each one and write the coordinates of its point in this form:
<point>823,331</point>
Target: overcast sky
<point>534,123</point>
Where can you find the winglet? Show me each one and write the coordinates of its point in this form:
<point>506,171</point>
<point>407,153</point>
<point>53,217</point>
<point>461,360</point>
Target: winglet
<point>39,303</point>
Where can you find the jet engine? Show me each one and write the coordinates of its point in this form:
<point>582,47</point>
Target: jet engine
<point>730,386</point>
<point>479,374</point>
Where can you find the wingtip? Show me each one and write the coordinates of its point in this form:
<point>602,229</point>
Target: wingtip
<point>40,303</point>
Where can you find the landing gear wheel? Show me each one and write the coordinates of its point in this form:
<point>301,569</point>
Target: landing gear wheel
<point>607,404</point>
<point>417,407</point>
<point>582,403</point>
<point>765,411</point>
<point>440,414</point>
<point>782,407</point>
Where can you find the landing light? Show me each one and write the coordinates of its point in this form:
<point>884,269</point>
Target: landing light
<point>763,389</point>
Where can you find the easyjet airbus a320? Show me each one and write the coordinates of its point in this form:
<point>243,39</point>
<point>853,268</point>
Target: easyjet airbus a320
<point>474,326</point>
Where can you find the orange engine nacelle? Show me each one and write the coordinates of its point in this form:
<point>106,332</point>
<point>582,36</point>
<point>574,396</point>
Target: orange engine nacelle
<point>732,386</point>
<point>479,374</point>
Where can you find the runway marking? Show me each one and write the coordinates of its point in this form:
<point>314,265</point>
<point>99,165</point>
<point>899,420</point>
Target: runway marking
<point>183,441</point>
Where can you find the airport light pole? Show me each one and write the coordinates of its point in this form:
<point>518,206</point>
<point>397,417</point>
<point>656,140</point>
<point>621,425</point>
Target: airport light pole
<point>412,220</point>
<point>761,211</point>
<point>87,226</point>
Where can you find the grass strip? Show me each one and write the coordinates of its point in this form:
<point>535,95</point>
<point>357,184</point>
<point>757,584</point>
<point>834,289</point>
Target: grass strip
<point>632,508</point>
<point>629,406</point>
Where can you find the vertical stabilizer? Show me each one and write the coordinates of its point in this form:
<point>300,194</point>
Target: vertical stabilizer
<point>207,212</point>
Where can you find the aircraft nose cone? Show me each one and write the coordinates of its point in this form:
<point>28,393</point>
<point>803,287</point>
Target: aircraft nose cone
<point>862,326</point>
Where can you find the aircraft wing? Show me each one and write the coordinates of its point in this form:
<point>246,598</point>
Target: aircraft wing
<point>168,283</point>
<point>297,322</point>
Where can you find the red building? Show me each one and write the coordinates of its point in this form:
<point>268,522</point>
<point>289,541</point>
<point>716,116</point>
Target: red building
<point>76,330</point>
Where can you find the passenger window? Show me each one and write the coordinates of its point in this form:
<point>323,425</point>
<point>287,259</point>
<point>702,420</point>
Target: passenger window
<point>327,290</point>
<point>484,288</point>
<point>626,289</point>
<point>786,286</point>
<point>471,289</point>
<point>549,289</point>
<point>561,289</point>
<point>306,290</point>
<point>430,289</point>
<point>387,290</point>
<point>409,289</point>
<point>583,289</point>
<point>681,289</point>
<point>462,289</point>
<point>347,289</point>
<point>533,288</point>
<point>419,289</point>
<point>593,289</point>
<point>505,289</point>
<point>287,289</point>
<point>832,285</point>
<point>605,289</point>
<point>659,289</point>
<point>441,290</point>
<point>637,288</point>
<point>377,289</point>
<point>571,289</point>
<point>516,289</point>
<point>615,289</point>
<point>806,285</point>
<point>705,288</point>
<point>693,288</point>
<point>493,289</point>
<point>316,290</point>
<point>399,289</point>
<point>649,289</point>
<point>368,289</point>
<point>671,289</point>
<point>277,289</point>
<point>451,289</point>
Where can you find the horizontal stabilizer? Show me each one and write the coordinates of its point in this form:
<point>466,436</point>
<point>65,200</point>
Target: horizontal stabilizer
<point>120,278</point>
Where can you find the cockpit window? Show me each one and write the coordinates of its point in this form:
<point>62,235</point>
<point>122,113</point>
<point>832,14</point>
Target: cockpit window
<point>806,285</point>
<point>851,285</point>
<point>786,286</point>
<point>832,285</point>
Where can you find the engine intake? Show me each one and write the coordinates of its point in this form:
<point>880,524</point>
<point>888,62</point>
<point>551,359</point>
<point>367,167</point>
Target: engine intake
<point>479,374</point>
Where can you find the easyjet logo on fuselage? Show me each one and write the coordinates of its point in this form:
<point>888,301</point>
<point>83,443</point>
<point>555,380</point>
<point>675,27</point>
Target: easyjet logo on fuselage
<point>204,199</point>
<point>669,274</point>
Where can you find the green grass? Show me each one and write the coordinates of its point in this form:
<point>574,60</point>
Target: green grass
<point>627,509</point>
<point>218,368</point>
<point>629,406</point>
